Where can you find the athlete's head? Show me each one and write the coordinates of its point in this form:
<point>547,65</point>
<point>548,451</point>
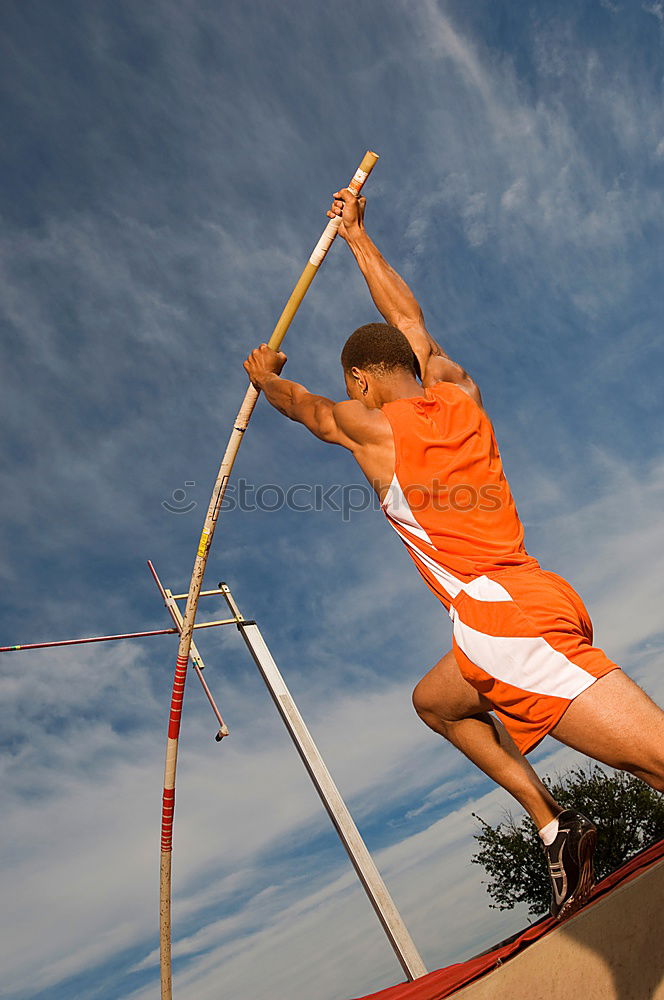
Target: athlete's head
<point>375,353</point>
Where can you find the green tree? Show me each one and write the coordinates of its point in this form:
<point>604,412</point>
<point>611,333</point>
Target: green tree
<point>629,816</point>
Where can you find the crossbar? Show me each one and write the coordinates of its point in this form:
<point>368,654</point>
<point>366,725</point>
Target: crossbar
<point>112,638</point>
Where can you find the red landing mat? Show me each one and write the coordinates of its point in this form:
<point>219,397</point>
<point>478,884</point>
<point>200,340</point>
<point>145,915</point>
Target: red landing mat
<point>445,982</point>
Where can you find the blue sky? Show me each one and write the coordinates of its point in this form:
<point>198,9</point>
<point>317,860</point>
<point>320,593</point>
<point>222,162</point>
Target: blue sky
<point>165,172</point>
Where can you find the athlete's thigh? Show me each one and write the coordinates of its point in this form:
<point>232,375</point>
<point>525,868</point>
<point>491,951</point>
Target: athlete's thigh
<point>447,694</point>
<point>614,721</point>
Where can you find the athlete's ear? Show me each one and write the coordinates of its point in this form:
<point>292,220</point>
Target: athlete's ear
<point>361,379</point>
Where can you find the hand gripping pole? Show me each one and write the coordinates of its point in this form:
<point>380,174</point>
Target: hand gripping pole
<point>189,618</point>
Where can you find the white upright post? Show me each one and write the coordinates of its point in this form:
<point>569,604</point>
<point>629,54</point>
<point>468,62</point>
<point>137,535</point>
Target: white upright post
<point>390,918</point>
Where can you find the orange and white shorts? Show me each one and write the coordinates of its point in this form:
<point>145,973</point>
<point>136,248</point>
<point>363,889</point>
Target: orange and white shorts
<point>523,638</point>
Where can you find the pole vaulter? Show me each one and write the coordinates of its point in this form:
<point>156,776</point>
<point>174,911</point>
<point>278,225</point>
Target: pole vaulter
<point>189,617</point>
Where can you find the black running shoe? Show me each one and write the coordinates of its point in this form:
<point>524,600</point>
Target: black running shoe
<point>570,861</point>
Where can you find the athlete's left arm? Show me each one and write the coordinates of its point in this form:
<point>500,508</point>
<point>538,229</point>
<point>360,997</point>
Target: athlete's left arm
<point>349,423</point>
<point>395,300</point>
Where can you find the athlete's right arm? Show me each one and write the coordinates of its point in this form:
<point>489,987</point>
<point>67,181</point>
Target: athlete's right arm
<point>349,423</point>
<point>394,299</point>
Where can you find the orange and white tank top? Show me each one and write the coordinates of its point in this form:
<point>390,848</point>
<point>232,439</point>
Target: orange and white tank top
<point>449,500</point>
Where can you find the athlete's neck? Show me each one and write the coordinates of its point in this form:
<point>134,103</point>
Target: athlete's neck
<point>397,386</point>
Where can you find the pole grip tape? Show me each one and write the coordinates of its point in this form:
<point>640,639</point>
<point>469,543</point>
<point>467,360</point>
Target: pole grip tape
<point>332,228</point>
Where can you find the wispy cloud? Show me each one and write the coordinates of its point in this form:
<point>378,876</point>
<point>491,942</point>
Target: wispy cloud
<point>656,9</point>
<point>168,171</point>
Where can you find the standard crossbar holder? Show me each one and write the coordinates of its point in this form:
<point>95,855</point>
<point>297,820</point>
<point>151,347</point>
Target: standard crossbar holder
<point>170,600</point>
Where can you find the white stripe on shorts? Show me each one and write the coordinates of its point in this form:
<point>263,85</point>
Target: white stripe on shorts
<point>531,664</point>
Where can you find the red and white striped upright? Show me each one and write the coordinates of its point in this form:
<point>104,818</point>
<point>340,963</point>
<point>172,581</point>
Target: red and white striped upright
<point>242,420</point>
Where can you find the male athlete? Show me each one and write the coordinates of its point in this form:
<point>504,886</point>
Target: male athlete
<point>522,637</point>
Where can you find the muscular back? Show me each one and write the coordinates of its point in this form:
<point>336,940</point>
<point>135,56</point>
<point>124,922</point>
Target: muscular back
<point>367,433</point>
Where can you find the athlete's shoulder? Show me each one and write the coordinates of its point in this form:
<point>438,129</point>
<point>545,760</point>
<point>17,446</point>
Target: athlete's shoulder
<point>360,423</point>
<point>456,392</point>
<point>442,371</point>
<point>448,391</point>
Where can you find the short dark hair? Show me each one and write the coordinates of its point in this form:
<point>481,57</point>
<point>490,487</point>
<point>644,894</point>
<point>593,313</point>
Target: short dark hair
<point>379,346</point>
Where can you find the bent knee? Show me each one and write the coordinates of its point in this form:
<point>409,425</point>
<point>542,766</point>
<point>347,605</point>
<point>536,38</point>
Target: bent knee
<point>446,695</point>
<point>432,709</point>
<point>419,697</point>
<point>426,701</point>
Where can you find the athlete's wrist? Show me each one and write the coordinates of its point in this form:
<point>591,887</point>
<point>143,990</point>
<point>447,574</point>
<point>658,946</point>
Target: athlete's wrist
<point>357,237</point>
<point>268,380</point>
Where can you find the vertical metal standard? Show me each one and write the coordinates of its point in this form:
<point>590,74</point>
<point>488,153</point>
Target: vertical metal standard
<point>379,896</point>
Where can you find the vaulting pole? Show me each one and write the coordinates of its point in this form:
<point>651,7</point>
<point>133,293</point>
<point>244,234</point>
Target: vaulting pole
<point>239,427</point>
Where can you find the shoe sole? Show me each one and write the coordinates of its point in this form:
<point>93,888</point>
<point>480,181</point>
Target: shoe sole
<point>579,898</point>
